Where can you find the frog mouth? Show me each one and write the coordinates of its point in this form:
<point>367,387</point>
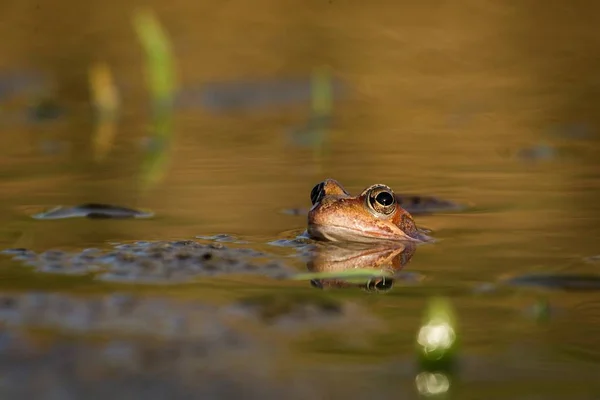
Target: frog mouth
<point>341,233</point>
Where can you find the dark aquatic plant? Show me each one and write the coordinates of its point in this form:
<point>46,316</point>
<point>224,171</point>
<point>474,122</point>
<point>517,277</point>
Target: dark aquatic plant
<point>252,95</point>
<point>559,281</point>
<point>93,210</point>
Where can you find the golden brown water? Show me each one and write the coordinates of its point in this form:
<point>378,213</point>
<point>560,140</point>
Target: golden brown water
<point>441,99</point>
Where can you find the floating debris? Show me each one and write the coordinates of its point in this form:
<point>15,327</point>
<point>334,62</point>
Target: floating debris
<point>271,308</point>
<point>297,242</point>
<point>118,313</point>
<point>94,211</point>
<point>147,346</point>
<point>222,237</point>
<point>18,251</point>
<point>32,94</point>
<point>125,313</point>
<point>45,109</point>
<point>418,204</point>
<point>125,367</point>
<point>567,282</point>
<point>155,262</point>
<point>249,95</point>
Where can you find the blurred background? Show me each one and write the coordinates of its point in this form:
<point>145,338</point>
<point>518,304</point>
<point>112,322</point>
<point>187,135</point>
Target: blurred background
<point>220,117</point>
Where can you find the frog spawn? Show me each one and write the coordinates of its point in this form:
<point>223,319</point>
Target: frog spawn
<point>154,262</point>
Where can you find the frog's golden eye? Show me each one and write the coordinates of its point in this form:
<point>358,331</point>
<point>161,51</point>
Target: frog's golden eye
<point>317,193</point>
<point>381,199</point>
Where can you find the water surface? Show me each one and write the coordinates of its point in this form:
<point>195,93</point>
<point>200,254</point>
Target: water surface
<point>478,103</point>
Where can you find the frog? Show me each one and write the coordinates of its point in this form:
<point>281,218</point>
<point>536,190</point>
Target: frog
<point>373,216</point>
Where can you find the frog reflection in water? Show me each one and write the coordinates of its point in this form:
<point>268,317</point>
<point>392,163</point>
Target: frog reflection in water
<point>375,215</point>
<point>332,258</point>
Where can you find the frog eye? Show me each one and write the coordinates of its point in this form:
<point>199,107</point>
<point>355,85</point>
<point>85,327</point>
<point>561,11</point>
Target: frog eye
<point>317,193</point>
<point>385,198</point>
<point>381,199</point>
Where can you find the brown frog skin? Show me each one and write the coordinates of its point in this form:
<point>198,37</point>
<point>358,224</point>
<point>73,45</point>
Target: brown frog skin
<point>375,215</point>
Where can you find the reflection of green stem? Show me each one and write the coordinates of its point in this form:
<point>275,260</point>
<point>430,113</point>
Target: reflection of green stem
<point>161,80</point>
<point>155,161</point>
<point>541,310</point>
<point>319,149</point>
<point>321,99</point>
<point>357,273</point>
<point>105,98</point>
<point>321,106</point>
